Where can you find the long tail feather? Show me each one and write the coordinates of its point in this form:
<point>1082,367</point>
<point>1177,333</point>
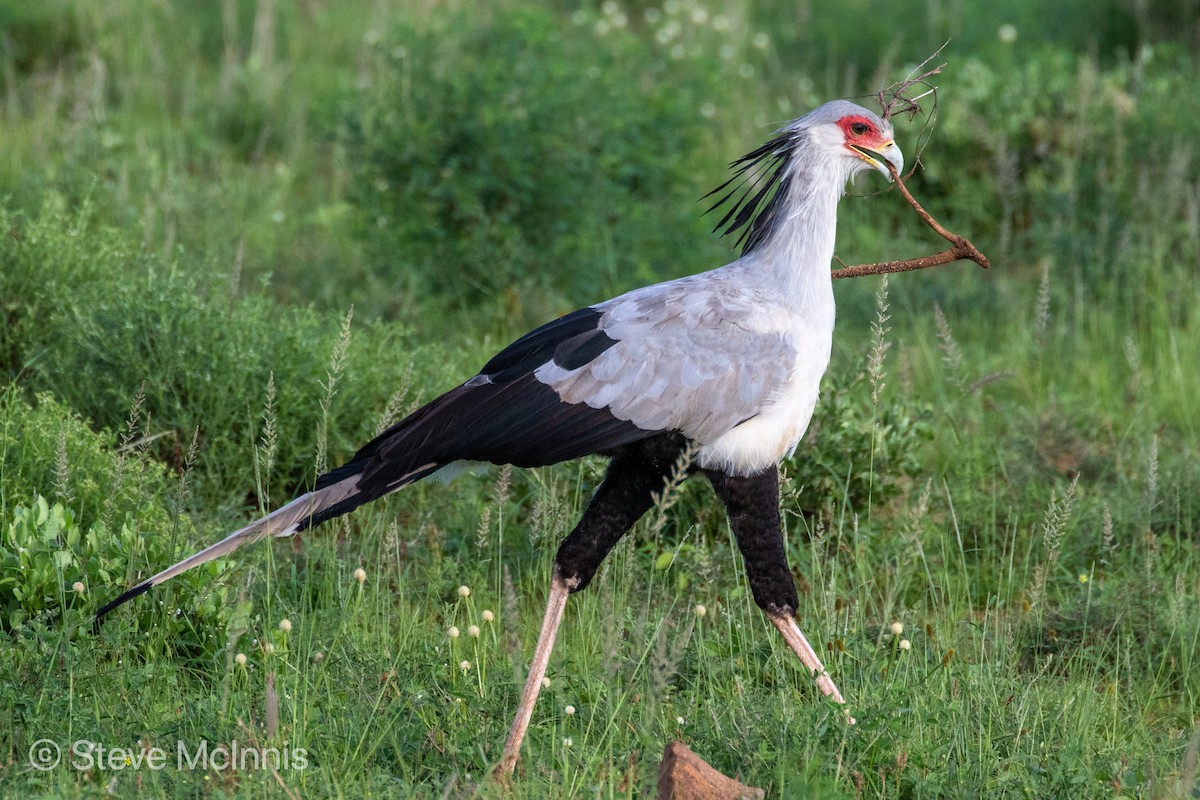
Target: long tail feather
<point>284,521</point>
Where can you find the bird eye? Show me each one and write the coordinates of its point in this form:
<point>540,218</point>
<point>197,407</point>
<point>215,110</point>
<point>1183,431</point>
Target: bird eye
<point>859,128</point>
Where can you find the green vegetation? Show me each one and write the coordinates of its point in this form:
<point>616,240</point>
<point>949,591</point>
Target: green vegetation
<point>240,237</point>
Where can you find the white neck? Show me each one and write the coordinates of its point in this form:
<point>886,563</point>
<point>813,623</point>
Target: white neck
<point>796,256</point>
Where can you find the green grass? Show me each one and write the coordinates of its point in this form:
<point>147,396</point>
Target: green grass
<point>194,196</point>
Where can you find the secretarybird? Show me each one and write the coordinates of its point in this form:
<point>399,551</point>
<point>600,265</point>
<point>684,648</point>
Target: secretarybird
<point>726,363</point>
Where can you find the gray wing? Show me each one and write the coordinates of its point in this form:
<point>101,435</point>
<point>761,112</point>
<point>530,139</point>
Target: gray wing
<point>697,355</point>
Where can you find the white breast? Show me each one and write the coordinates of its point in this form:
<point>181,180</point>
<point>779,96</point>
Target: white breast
<point>773,434</point>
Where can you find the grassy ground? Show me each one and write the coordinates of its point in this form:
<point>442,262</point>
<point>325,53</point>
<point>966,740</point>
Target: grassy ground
<point>1005,465</point>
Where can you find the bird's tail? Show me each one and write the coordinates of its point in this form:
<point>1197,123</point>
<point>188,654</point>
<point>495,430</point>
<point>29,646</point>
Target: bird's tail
<point>296,516</point>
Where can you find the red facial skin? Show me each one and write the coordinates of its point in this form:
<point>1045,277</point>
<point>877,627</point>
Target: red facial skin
<point>853,129</point>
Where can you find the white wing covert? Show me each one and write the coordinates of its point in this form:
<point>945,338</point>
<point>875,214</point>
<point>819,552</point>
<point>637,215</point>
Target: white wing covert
<point>695,355</point>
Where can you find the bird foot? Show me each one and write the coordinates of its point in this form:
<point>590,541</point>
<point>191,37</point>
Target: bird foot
<point>556,604</point>
<point>800,646</point>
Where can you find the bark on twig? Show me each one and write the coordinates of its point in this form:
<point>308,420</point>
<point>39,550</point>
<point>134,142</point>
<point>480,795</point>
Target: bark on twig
<point>961,247</point>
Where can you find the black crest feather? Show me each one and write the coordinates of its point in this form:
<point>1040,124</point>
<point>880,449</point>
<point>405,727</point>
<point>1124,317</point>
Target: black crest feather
<point>754,194</point>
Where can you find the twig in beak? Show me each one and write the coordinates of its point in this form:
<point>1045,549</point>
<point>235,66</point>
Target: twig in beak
<point>960,246</point>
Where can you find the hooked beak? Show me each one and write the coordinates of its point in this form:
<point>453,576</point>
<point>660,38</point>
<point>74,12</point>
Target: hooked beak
<point>888,153</point>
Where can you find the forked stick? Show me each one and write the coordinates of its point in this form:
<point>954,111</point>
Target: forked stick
<point>898,99</point>
<point>960,246</point>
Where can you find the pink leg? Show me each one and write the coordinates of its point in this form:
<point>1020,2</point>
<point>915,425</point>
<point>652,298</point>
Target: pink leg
<point>557,603</point>
<point>800,646</point>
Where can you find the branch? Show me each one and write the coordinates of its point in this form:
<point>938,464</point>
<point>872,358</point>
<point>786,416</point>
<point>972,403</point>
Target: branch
<point>960,246</point>
<point>898,99</point>
<point>901,100</point>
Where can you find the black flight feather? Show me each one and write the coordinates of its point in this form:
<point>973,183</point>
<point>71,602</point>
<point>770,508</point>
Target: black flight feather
<point>505,415</point>
<point>540,345</point>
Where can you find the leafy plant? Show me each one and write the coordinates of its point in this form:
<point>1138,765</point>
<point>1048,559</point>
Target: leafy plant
<point>526,161</point>
<point>81,300</point>
<point>50,564</point>
<point>853,454</point>
<point>82,519</point>
<point>47,450</point>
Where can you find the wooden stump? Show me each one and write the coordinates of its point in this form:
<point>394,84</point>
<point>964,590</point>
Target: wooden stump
<point>683,775</point>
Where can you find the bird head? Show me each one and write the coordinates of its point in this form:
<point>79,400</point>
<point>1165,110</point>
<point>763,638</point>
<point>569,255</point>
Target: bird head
<point>852,136</point>
<point>827,146</point>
